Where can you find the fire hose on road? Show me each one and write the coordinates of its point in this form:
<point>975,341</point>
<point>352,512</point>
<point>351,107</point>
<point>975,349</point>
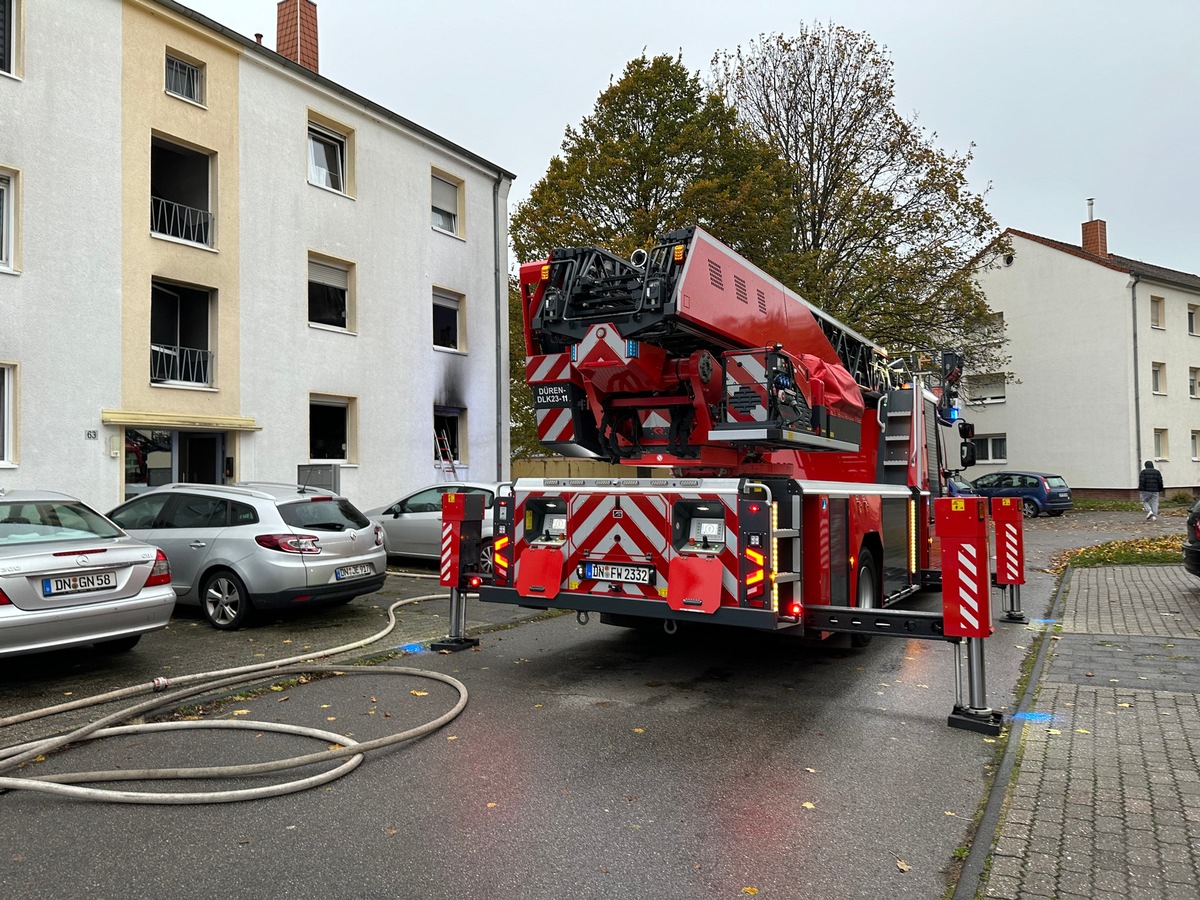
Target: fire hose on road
<point>169,692</point>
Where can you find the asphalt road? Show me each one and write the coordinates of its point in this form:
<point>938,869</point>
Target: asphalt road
<point>590,762</point>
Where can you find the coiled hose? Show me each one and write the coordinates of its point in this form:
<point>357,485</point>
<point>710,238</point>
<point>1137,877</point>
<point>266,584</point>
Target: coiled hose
<point>348,750</point>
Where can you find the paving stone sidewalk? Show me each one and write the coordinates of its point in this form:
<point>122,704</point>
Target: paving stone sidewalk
<point>1106,804</point>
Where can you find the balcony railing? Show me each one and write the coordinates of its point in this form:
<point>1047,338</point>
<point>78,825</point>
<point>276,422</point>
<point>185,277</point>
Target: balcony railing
<point>179,221</point>
<point>180,365</point>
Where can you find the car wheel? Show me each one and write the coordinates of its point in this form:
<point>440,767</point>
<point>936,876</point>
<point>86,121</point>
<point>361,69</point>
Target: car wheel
<point>487,559</point>
<point>867,596</point>
<point>1029,509</point>
<point>225,601</point>
<point>119,645</point>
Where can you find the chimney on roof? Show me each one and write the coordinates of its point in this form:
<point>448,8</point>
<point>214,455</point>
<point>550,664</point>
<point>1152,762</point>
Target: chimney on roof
<point>1095,234</point>
<point>296,32</point>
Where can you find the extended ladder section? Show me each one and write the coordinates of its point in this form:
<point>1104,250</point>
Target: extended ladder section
<point>446,456</point>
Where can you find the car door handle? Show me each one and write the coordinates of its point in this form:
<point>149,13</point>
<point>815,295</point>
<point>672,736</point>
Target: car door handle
<point>196,545</point>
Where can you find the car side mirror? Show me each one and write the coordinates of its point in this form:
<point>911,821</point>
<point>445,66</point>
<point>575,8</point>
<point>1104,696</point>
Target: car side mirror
<point>966,455</point>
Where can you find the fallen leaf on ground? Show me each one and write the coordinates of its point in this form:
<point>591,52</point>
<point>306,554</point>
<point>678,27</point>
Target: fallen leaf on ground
<point>491,805</point>
<point>902,865</point>
<point>241,712</point>
<point>419,693</point>
<point>808,805</point>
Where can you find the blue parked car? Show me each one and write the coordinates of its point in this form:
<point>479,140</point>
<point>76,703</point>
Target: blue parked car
<point>1040,492</point>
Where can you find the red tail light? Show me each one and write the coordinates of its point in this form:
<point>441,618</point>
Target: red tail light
<point>289,543</point>
<point>161,573</point>
<point>4,601</point>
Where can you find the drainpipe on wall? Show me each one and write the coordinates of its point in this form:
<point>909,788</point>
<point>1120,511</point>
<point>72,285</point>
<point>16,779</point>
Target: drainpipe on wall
<point>1137,380</point>
<point>501,330</point>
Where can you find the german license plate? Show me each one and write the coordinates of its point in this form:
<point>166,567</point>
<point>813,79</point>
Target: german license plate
<point>354,571</point>
<point>78,584</point>
<point>617,572</point>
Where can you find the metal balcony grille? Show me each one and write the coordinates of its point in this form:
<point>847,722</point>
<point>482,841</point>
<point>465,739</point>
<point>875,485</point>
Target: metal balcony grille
<point>182,365</point>
<point>185,80</point>
<point>179,221</point>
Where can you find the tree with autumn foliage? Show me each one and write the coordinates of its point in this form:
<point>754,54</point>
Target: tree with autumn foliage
<point>886,235</point>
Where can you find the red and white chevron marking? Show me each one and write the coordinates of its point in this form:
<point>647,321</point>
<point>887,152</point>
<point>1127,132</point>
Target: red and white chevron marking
<point>970,603</point>
<point>552,367</point>
<point>555,425</point>
<point>448,576</point>
<point>602,343</point>
<point>1009,562</point>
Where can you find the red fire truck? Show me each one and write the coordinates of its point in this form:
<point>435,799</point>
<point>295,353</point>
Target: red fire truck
<point>778,461</point>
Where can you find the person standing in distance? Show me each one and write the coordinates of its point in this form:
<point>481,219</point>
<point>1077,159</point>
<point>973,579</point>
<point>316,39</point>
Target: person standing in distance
<point>1150,485</point>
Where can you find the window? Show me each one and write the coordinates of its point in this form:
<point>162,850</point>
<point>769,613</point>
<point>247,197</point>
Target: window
<point>329,295</point>
<point>985,388</point>
<point>6,417</point>
<point>179,334</point>
<point>991,448</point>
<point>8,35</point>
<point>185,79</point>
<point>1196,446</point>
<point>1192,318</point>
<point>447,328</point>
<point>179,193</point>
<point>331,425</point>
<point>447,435</point>
<point>445,204</point>
<point>1193,377</point>
<point>1158,377</point>
<point>326,158</point>
<point>1156,312</point>
<point>7,218</point>
<point>1161,446</point>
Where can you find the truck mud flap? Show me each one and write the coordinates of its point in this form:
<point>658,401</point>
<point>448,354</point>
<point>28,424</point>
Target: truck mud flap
<point>540,573</point>
<point>694,584</point>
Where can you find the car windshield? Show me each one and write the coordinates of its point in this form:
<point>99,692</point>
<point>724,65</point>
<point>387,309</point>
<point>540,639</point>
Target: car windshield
<point>1056,481</point>
<point>323,513</point>
<point>25,522</point>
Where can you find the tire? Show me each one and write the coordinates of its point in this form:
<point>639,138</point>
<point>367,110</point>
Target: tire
<point>866,593</point>
<point>225,601</point>
<point>118,645</point>
<point>487,554</point>
<point>1029,508</point>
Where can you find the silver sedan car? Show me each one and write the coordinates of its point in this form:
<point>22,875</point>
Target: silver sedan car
<point>69,577</point>
<point>412,526</point>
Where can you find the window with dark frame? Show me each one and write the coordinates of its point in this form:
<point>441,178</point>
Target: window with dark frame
<point>446,320</point>
<point>6,35</point>
<point>326,158</point>
<point>327,431</point>
<point>446,427</point>
<point>328,294</point>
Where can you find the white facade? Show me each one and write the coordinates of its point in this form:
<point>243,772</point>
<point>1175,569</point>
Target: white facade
<point>1083,402</point>
<point>59,340</point>
<point>81,164</point>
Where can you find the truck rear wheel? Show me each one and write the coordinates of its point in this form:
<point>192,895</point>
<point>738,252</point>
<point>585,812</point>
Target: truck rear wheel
<point>866,594</point>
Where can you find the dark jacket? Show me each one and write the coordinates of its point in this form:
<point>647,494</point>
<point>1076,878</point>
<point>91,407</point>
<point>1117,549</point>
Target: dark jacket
<point>1150,480</point>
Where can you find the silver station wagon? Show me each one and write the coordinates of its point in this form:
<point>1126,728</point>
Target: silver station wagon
<point>237,549</point>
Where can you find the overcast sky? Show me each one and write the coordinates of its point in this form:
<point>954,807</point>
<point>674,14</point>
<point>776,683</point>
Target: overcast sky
<point>1063,99</point>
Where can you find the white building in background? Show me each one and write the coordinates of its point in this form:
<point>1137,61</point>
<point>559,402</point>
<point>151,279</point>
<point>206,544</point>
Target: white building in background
<point>217,265</point>
<point>1106,365</point>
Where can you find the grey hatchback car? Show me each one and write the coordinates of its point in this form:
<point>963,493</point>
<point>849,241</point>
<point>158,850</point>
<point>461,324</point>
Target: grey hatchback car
<point>235,549</point>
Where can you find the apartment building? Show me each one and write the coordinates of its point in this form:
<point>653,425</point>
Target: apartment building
<point>218,265</point>
<point>1105,366</point>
